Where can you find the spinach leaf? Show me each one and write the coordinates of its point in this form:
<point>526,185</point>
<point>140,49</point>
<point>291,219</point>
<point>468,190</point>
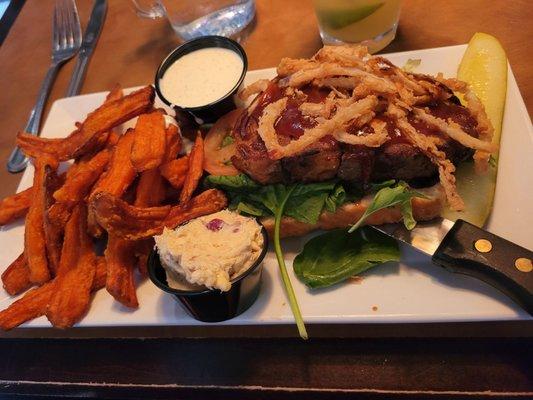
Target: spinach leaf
<point>306,208</point>
<point>336,198</point>
<point>336,255</point>
<point>374,187</point>
<point>400,194</point>
<point>249,209</point>
<point>407,214</point>
<point>305,203</point>
<point>238,183</point>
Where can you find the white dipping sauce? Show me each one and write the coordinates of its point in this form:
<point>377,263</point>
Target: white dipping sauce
<point>201,77</point>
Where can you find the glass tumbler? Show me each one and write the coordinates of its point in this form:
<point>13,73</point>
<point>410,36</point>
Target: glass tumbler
<point>194,18</point>
<point>371,23</point>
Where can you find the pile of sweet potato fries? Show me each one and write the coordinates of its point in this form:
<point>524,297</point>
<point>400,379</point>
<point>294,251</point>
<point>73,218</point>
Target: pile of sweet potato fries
<point>130,186</point>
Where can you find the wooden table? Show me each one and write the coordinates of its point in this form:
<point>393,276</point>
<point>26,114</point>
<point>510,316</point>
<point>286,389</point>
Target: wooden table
<point>128,52</point>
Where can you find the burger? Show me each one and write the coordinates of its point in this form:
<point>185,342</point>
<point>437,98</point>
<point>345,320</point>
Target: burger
<point>338,126</point>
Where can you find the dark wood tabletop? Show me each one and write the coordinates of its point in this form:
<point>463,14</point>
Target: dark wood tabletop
<point>478,360</point>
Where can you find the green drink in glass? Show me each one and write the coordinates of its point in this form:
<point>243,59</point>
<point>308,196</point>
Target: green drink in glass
<point>371,23</point>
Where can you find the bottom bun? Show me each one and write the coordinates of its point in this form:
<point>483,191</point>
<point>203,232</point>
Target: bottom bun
<point>424,209</point>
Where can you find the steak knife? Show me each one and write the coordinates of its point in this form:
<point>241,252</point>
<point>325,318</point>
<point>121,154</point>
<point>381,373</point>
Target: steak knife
<point>466,249</point>
<point>90,38</point>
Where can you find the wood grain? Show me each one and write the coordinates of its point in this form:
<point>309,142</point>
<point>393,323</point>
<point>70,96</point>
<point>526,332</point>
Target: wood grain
<point>268,369</point>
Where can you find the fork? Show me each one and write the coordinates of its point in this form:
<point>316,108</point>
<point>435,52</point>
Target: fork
<point>66,42</point>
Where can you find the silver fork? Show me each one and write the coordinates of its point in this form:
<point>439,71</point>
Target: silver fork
<point>66,42</point>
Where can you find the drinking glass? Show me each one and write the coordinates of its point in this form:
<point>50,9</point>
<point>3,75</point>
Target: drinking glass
<point>194,18</point>
<point>371,23</point>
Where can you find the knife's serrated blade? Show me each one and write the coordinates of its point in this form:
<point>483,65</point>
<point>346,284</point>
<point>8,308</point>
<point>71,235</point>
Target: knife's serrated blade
<point>425,237</point>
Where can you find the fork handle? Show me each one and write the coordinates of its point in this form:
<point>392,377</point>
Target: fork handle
<point>17,160</point>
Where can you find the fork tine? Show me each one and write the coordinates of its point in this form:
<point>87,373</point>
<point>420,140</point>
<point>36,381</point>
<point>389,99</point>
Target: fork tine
<point>75,20</point>
<point>73,23</point>
<point>70,24</point>
<point>67,29</point>
<point>55,28</point>
<point>62,24</point>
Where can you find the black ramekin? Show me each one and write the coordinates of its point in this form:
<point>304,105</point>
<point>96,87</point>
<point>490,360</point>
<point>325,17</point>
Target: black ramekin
<point>213,305</point>
<point>210,112</point>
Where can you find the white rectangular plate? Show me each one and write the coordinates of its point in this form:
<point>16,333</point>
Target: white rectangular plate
<point>411,291</point>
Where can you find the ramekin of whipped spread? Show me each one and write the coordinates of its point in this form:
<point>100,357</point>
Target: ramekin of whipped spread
<point>210,251</point>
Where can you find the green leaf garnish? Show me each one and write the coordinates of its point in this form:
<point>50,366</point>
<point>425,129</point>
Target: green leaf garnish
<point>374,187</point>
<point>336,255</point>
<point>305,204</point>
<point>336,198</point>
<point>400,194</point>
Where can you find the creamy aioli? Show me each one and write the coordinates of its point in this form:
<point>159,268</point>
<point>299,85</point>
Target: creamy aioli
<point>201,77</point>
<point>210,250</point>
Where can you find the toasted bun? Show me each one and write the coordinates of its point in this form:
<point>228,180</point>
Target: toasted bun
<point>348,214</point>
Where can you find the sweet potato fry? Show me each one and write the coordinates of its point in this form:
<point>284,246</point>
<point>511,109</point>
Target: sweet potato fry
<point>208,202</point>
<point>149,144</point>
<point>34,236</point>
<point>100,274</point>
<point>151,190</point>
<point>134,223</point>
<point>53,231</point>
<point>70,251</point>
<point>71,298</point>
<point>16,278</point>
<point>78,184</point>
<point>118,215</point>
<point>31,306</point>
<point>99,142</point>
<point>120,172</point>
<point>120,258</point>
<point>175,171</point>
<point>174,142</point>
<point>111,211</point>
<point>93,227</point>
<point>35,302</point>
<point>112,139</point>
<point>142,251</point>
<point>82,140</point>
<point>104,139</point>
<point>115,93</point>
<point>196,162</point>
<point>59,213</point>
<point>15,206</point>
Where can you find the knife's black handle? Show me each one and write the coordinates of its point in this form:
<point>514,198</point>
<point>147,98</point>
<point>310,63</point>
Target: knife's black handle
<point>469,250</point>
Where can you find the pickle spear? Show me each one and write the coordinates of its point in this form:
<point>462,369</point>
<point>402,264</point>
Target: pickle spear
<point>484,67</point>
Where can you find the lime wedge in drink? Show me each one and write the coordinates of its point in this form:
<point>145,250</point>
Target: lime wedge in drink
<point>340,18</point>
<point>484,67</point>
